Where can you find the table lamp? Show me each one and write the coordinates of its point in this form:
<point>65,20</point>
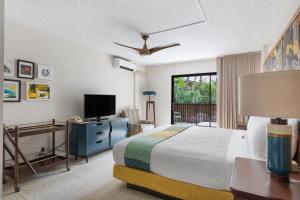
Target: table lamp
<point>150,93</point>
<point>275,95</point>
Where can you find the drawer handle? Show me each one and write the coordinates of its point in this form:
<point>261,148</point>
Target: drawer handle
<point>99,124</point>
<point>100,141</point>
<point>99,133</point>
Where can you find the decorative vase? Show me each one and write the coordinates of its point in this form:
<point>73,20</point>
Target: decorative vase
<point>279,161</point>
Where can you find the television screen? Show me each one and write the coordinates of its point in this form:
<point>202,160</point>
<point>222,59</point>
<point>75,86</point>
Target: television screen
<point>99,105</point>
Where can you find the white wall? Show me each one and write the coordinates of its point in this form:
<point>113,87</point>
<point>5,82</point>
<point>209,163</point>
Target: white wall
<point>1,81</point>
<point>140,86</point>
<point>77,70</point>
<point>159,79</point>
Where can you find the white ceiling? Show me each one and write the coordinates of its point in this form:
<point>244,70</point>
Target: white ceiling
<point>232,26</point>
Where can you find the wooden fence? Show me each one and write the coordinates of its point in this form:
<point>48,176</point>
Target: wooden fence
<point>194,113</point>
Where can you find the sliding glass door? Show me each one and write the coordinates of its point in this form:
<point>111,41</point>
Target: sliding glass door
<point>194,99</point>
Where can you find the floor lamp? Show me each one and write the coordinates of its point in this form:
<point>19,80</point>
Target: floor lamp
<point>150,103</point>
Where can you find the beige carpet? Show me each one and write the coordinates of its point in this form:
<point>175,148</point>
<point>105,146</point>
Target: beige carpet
<point>91,181</point>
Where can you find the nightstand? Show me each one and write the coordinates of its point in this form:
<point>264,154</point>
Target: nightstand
<point>250,181</point>
<point>241,125</point>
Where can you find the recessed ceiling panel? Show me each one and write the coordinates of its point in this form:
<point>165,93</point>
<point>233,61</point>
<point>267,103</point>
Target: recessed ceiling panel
<point>155,15</point>
<point>231,26</point>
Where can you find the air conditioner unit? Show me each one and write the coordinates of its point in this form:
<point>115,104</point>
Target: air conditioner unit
<point>124,64</point>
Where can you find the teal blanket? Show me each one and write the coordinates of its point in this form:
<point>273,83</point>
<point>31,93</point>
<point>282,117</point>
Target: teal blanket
<point>137,152</point>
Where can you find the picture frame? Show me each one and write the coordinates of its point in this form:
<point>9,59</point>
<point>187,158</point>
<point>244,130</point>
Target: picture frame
<point>11,90</point>
<point>266,65</point>
<point>38,91</point>
<point>285,55</point>
<point>25,69</point>
<point>44,72</point>
<point>9,70</point>
<point>275,58</point>
<point>291,42</point>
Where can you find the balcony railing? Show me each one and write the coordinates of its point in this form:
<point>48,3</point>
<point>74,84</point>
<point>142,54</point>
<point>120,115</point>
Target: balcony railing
<point>194,113</point>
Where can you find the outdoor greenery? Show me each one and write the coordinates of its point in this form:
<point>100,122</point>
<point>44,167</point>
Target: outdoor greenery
<point>193,92</point>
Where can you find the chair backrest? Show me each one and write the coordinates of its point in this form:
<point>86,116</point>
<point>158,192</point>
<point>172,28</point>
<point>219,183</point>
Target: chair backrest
<point>133,115</point>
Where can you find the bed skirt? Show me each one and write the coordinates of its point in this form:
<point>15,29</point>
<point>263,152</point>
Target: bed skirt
<point>168,186</point>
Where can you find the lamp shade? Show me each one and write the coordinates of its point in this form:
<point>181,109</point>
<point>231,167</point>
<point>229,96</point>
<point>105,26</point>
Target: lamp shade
<point>149,93</point>
<point>273,94</point>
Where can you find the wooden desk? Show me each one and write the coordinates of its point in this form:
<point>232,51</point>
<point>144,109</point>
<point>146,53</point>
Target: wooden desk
<point>250,181</point>
<point>29,167</point>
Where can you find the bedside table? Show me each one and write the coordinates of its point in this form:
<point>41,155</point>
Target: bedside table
<point>241,125</point>
<point>250,181</point>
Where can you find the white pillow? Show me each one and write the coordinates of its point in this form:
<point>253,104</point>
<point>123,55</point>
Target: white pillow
<point>295,133</point>
<point>256,136</point>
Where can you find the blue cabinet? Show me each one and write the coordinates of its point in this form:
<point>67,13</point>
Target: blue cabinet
<point>91,137</point>
<point>119,130</point>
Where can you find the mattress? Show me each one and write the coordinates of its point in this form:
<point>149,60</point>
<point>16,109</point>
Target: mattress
<point>199,155</point>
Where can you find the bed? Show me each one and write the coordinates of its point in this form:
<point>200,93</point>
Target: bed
<point>196,163</point>
<point>193,157</point>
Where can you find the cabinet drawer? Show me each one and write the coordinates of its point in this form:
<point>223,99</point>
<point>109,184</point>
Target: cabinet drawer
<point>97,135</point>
<point>98,145</point>
<point>97,127</point>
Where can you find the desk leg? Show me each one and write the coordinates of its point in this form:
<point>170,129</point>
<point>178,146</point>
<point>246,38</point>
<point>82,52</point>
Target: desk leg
<point>16,168</point>
<point>67,145</point>
<point>53,141</point>
<point>53,145</point>
<point>3,174</point>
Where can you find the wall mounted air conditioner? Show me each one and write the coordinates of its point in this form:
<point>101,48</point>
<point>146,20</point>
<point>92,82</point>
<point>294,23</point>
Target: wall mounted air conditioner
<point>124,64</point>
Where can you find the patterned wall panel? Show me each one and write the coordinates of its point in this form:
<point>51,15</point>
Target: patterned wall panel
<point>275,58</point>
<point>286,54</point>
<point>291,53</point>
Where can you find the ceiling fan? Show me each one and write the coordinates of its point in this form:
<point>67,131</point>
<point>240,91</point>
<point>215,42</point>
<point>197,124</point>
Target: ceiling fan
<point>145,51</point>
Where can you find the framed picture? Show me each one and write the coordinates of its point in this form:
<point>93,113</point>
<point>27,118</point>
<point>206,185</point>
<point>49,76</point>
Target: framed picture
<point>9,67</point>
<point>25,69</point>
<point>37,91</point>
<point>45,72</point>
<point>11,90</point>
<point>275,59</point>
<point>266,65</point>
<point>291,52</point>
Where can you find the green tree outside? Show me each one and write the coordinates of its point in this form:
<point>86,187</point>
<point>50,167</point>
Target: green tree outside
<point>192,92</point>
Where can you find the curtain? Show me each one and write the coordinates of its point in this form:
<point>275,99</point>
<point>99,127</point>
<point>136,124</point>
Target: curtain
<point>229,69</point>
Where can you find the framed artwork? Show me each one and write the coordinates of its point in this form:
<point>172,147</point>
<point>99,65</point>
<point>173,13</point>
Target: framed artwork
<point>266,65</point>
<point>37,91</point>
<point>25,69</point>
<point>9,69</point>
<point>11,90</point>
<point>275,59</point>
<point>45,72</point>
<point>291,52</point>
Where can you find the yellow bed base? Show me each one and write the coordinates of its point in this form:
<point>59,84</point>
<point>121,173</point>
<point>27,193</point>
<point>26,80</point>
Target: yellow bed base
<point>168,186</point>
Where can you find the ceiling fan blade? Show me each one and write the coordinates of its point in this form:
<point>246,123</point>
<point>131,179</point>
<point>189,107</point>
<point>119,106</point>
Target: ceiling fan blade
<point>137,49</point>
<point>155,49</point>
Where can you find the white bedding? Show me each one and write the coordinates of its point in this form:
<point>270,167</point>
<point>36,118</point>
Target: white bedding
<point>199,155</point>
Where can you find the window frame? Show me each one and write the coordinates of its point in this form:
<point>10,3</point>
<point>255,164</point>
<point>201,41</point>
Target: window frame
<point>210,74</point>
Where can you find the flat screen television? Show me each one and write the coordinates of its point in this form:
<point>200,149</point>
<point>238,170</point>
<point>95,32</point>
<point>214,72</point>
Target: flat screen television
<point>97,106</point>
